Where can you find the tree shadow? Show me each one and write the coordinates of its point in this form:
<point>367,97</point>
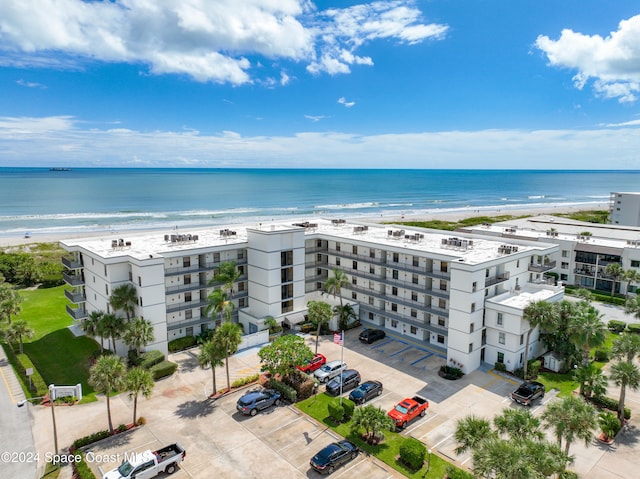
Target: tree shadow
<point>187,361</point>
<point>195,409</point>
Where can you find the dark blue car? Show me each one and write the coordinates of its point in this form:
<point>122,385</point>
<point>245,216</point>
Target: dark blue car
<point>366,391</point>
<point>256,401</point>
<point>333,456</point>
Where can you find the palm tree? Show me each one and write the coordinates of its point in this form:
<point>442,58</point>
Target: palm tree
<point>92,327</point>
<point>345,314</point>
<point>632,306</point>
<point>570,418</point>
<point>229,337</point>
<point>374,420</point>
<point>139,381</point>
<point>219,305</point>
<point>592,381</point>
<point>228,275</point>
<point>9,302</point>
<point>518,423</point>
<point>125,298</point>
<point>470,431</point>
<point>106,376</point>
<point>112,326</point>
<point>587,329</point>
<point>609,424</point>
<point>138,333</point>
<point>626,346</point>
<point>630,276</point>
<point>212,355</point>
<point>18,331</point>
<point>536,314</point>
<point>624,374</point>
<point>319,313</point>
<point>335,284</point>
<point>615,271</point>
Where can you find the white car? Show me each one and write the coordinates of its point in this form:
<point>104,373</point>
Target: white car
<point>329,370</point>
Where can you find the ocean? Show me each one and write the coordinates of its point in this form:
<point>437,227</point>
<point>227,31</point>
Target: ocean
<point>42,202</point>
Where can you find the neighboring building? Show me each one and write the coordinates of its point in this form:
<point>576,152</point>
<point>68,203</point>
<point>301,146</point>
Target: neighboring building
<point>624,209</point>
<point>585,249</point>
<point>461,295</point>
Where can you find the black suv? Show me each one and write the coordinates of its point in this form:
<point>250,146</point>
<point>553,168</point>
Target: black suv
<point>334,455</point>
<point>350,379</point>
<point>528,392</point>
<point>370,335</point>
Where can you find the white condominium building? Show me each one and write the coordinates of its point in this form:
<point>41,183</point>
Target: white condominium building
<point>624,209</point>
<point>460,295</point>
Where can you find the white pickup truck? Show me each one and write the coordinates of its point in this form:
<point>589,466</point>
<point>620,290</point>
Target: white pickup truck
<point>148,464</point>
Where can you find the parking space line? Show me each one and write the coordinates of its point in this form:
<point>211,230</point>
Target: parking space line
<point>401,351</point>
<point>384,343</point>
<point>421,359</point>
<point>445,439</point>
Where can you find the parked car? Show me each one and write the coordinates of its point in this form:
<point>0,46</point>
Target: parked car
<point>329,370</point>
<point>255,401</point>
<point>148,464</point>
<point>333,456</point>
<point>370,335</point>
<point>366,391</point>
<point>407,410</point>
<point>527,392</point>
<point>350,378</point>
<point>316,363</point>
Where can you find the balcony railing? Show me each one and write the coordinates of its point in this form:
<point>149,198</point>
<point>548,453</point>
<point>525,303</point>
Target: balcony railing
<point>75,296</point>
<point>77,313</point>
<point>542,268</point>
<point>73,279</point>
<point>71,263</point>
<point>498,278</point>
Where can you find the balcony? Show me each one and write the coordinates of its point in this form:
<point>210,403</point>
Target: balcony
<point>71,263</point>
<point>542,268</point>
<point>78,313</point>
<point>73,279</point>
<point>75,296</point>
<point>498,278</point>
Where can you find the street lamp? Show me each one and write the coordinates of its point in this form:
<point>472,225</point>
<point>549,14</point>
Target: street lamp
<point>53,417</point>
<point>429,460</point>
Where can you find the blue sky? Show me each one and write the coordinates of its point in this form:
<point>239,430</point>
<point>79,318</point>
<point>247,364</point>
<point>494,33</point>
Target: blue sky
<point>542,84</point>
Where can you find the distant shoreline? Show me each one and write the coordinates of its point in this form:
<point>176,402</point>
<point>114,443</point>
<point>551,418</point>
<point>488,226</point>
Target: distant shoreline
<point>453,215</point>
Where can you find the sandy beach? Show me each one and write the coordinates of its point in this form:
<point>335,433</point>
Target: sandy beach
<point>444,215</point>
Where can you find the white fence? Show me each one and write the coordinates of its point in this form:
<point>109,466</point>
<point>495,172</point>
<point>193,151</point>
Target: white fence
<point>254,339</point>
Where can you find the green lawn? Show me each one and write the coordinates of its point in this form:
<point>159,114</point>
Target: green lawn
<point>387,451</point>
<point>59,356</point>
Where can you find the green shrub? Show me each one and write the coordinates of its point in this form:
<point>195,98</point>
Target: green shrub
<point>336,410</point>
<point>349,406</point>
<point>609,403</point>
<point>455,473</point>
<point>180,344</point>
<point>151,358</point>
<point>287,392</point>
<point>246,380</point>
<point>633,328</point>
<point>90,439</point>
<point>534,368</point>
<point>412,453</point>
<point>616,326</point>
<point>601,356</point>
<point>163,369</point>
<point>500,367</point>
<point>82,469</point>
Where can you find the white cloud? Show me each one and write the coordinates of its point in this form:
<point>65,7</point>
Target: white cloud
<point>30,84</point>
<point>35,141</point>
<point>346,103</point>
<point>206,40</point>
<point>315,118</point>
<point>613,62</point>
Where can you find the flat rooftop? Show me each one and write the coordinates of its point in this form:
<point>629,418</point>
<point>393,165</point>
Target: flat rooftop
<point>462,247</point>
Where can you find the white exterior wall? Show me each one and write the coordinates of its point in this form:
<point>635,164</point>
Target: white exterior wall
<point>625,209</point>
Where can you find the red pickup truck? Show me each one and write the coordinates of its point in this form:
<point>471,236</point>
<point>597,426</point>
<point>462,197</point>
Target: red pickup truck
<point>407,410</point>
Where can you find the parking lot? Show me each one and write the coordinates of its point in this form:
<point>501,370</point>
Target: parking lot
<point>280,441</point>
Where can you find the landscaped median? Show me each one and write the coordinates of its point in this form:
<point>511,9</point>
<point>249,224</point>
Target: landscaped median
<point>387,450</point>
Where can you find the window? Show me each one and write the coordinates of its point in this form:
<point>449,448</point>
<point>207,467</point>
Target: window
<point>105,270</point>
<point>442,303</point>
<point>370,315</point>
<point>394,291</point>
<point>635,263</point>
<point>565,253</point>
<point>337,246</point>
<point>414,279</point>
<point>394,307</point>
<point>394,323</point>
<point>241,286</point>
<point>185,280</point>
<point>414,313</point>
<point>354,295</point>
<point>444,267</point>
<point>287,306</point>
<point>354,265</point>
<point>242,303</point>
<point>414,330</point>
<point>106,289</point>
<point>395,274</point>
<point>396,257</point>
<point>140,300</point>
<point>440,338</point>
<point>473,307</point>
<point>443,285</point>
<point>441,321</point>
<point>371,284</point>
<point>286,275</point>
<point>189,331</point>
<point>186,261</point>
<point>518,264</point>
<point>499,321</point>
<point>414,296</point>
<point>521,339</point>
<point>372,269</point>
<point>564,265</point>
<point>241,270</point>
<point>470,347</point>
<point>372,253</point>
<point>354,280</point>
<point>241,254</point>
<point>474,286</point>
<point>501,338</point>
<point>187,297</point>
<point>501,358</point>
<point>354,249</point>
<point>318,258</point>
<point>286,258</point>
<point>216,257</point>
<point>472,327</point>
<point>371,300</point>
<point>416,261</point>
<point>286,290</point>
<point>337,261</point>
<point>188,314</point>
<point>564,277</point>
<point>318,243</point>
